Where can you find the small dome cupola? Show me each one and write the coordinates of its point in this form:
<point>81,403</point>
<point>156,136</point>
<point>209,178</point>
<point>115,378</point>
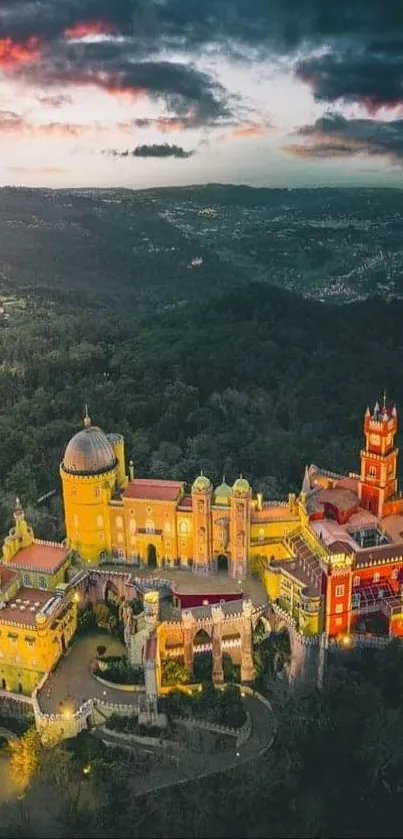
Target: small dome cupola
<point>201,484</point>
<point>241,486</point>
<point>89,452</point>
<point>222,494</point>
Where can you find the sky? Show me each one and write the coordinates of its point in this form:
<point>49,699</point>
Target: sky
<point>143,93</point>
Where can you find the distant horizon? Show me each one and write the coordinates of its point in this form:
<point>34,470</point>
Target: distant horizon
<point>141,94</point>
<point>240,185</point>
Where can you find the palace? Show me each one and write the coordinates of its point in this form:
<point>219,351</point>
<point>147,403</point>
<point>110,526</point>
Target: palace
<point>332,557</point>
<point>330,560</point>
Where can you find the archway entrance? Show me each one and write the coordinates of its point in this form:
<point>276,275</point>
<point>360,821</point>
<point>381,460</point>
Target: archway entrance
<point>151,556</point>
<point>222,563</point>
<point>201,637</point>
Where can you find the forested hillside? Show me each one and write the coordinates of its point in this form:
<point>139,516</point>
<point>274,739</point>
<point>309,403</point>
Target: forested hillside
<point>253,380</point>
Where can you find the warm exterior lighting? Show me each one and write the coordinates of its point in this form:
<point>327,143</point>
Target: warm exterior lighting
<point>76,597</point>
<point>86,769</point>
<point>347,640</point>
<point>67,714</point>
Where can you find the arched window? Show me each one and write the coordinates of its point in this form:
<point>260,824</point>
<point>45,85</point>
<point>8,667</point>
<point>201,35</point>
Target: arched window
<point>184,527</point>
<point>132,526</point>
<point>149,526</point>
<point>119,522</point>
<point>167,527</point>
<point>377,577</point>
<point>372,472</point>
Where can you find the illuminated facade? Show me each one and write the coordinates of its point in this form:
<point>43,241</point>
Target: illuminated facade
<point>332,558</point>
<point>38,610</point>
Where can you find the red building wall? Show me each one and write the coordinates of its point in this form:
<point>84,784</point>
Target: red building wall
<point>338,600</point>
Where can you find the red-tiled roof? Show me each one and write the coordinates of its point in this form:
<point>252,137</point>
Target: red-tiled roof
<point>186,501</point>
<point>153,490</point>
<point>46,558</point>
<point>7,576</point>
<point>348,483</point>
<point>23,608</point>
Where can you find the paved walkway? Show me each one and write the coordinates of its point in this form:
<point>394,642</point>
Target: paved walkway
<point>72,683</point>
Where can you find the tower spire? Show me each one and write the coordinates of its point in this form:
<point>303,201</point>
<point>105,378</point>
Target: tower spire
<point>87,418</point>
<point>384,400</point>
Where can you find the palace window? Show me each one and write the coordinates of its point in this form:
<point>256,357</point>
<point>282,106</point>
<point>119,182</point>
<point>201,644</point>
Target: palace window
<point>355,601</point>
<point>26,580</point>
<point>339,608</point>
<point>132,526</point>
<point>339,591</point>
<point>119,522</point>
<point>376,577</point>
<point>395,574</point>
<point>43,583</point>
<point>184,527</point>
<point>356,581</point>
<point>121,553</point>
<point>372,472</point>
<point>167,527</point>
<point>97,492</point>
<point>149,526</point>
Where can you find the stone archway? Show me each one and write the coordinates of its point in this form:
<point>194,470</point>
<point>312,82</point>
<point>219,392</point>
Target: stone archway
<point>222,563</point>
<point>151,557</point>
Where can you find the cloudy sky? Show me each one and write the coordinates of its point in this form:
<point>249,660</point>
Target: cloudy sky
<point>143,93</point>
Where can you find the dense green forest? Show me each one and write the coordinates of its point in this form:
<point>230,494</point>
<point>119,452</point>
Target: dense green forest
<point>252,380</point>
<point>335,770</point>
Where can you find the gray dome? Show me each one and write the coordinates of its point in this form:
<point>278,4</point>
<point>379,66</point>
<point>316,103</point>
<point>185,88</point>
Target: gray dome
<point>89,452</point>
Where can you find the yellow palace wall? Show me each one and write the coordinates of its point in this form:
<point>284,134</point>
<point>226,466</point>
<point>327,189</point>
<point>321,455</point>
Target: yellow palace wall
<point>27,652</point>
<point>86,509</point>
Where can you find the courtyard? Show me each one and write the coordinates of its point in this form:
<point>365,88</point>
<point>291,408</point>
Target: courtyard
<point>72,682</point>
<point>185,582</point>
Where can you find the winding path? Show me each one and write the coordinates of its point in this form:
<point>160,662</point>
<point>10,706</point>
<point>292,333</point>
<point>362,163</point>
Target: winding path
<point>186,765</point>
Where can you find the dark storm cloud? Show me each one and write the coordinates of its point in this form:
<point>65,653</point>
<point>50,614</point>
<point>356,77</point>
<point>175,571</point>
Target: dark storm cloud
<point>154,150</point>
<point>111,65</point>
<point>335,136</point>
<point>362,40</point>
<point>372,77</point>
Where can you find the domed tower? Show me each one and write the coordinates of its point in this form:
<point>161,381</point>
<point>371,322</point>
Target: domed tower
<point>222,495</point>
<point>89,473</point>
<point>202,536</point>
<point>240,527</point>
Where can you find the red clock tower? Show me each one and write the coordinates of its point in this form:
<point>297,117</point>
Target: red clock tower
<point>378,481</point>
